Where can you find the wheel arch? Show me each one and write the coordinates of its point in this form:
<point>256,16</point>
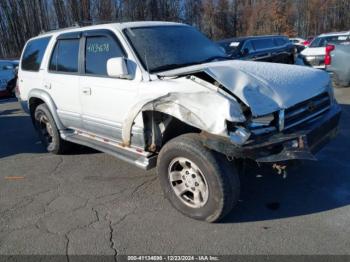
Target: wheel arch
<point>160,127</point>
<point>37,97</point>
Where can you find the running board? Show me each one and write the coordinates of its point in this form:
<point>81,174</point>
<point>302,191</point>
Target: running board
<point>144,160</point>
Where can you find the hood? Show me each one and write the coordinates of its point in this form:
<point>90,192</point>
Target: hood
<point>310,51</point>
<point>264,87</point>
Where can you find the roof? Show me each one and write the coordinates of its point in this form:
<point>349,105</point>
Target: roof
<point>335,33</point>
<point>119,26</point>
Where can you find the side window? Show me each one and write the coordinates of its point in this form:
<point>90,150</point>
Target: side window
<point>280,41</point>
<point>265,43</point>
<point>33,54</point>
<point>65,56</point>
<point>98,50</point>
<point>249,45</point>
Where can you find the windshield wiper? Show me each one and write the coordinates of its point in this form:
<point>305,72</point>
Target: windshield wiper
<point>174,66</point>
<point>170,66</point>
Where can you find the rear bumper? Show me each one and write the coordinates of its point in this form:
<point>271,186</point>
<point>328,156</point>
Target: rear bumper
<point>300,142</point>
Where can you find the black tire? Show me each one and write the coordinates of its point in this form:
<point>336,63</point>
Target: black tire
<point>222,181</point>
<point>47,130</point>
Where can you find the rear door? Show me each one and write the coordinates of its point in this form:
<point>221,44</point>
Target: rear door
<point>62,79</point>
<point>263,48</point>
<point>283,52</point>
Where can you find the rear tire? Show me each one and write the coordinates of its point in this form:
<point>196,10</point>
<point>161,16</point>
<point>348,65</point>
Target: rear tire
<point>197,181</point>
<point>47,130</point>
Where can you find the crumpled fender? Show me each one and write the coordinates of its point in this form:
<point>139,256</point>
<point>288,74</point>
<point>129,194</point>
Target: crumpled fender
<point>207,111</point>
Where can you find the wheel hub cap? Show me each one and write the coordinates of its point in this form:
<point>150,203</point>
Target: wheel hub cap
<point>188,182</point>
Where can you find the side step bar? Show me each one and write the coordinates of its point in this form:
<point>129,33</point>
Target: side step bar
<point>144,160</point>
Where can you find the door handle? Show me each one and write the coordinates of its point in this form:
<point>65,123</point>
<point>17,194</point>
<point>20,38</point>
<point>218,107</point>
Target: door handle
<point>87,91</point>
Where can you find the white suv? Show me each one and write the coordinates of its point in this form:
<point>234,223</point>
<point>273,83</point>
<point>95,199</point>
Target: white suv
<point>162,94</point>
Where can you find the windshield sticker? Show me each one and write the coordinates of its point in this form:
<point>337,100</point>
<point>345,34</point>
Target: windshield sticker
<point>98,48</point>
<point>234,44</point>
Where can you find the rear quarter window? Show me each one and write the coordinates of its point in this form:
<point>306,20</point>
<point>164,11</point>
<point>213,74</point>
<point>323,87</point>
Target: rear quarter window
<point>33,54</point>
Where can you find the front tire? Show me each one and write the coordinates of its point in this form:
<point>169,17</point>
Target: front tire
<point>47,130</point>
<point>197,181</point>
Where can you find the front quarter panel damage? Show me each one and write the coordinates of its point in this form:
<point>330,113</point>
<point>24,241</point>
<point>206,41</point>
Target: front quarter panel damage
<point>206,110</point>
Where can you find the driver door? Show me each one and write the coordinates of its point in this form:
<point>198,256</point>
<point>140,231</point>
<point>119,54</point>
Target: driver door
<point>105,101</point>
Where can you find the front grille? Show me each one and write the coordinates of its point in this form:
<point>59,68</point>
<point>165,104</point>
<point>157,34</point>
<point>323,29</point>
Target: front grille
<point>307,110</point>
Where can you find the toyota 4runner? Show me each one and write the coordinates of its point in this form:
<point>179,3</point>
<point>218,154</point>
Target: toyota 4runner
<point>159,94</point>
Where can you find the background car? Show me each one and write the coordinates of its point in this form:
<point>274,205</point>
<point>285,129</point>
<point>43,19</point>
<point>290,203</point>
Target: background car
<point>277,49</point>
<point>297,40</point>
<point>337,62</point>
<point>298,43</point>
<point>308,41</point>
<point>314,55</point>
<point>7,73</point>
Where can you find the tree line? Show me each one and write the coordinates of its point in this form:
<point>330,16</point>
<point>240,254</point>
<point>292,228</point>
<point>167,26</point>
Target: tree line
<point>23,19</point>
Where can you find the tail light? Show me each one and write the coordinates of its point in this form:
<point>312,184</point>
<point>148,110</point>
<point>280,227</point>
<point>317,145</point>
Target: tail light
<point>328,58</point>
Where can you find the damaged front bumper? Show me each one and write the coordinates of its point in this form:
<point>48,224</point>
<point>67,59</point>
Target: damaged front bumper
<point>300,142</point>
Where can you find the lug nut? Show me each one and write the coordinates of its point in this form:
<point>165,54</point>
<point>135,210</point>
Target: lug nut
<point>196,184</point>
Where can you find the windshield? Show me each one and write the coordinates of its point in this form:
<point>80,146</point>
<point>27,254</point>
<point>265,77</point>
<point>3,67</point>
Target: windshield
<point>231,47</point>
<point>325,40</point>
<point>161,48</point>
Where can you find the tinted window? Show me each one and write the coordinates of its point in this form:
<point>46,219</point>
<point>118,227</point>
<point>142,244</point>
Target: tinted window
<point>264,43</point>
<point>231,47</point>
<point>325,40</point>
<point>97,51</point>
<point>280,41</point>
<point>33,54</point>
<point>249,46</point>
<point>65,56</point>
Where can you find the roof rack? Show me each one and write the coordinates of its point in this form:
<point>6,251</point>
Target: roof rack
<point>76,25</point>
<point>79,24</point>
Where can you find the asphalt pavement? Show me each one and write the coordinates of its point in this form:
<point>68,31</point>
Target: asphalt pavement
<point>88,202</point>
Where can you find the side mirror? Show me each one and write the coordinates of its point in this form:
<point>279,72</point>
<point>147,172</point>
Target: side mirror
<point>116,67</point>
<point>245,52</point>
